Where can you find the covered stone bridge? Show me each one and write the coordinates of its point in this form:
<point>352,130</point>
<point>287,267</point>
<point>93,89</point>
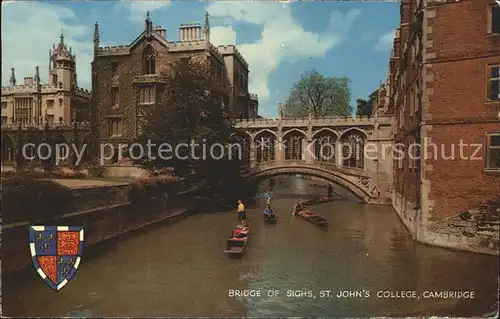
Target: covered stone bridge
<point>355,153</point>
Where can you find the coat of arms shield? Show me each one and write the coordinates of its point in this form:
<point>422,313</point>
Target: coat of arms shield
<point>56,252</point>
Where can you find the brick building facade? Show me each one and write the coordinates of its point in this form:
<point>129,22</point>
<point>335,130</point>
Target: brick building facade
<point>127,78</point>
<point>444,84</point>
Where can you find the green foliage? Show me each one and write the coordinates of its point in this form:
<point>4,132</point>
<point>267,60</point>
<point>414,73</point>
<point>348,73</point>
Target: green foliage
<point>25,198</point>
<point>319,95</point>
<point>365,107</point>
<point>95,169</point>
<point>144,189</point>
<point>191,111</point>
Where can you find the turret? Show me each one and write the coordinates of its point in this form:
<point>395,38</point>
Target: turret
<point>63,66</point>
<point>12,77</point>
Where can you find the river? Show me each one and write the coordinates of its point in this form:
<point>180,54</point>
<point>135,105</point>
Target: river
<point>178,268</point>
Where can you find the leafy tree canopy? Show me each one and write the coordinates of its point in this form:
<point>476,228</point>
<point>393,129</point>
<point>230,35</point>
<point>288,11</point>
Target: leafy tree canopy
<point>191,112</point>
<point>319,95</point>
<point>365,107</point>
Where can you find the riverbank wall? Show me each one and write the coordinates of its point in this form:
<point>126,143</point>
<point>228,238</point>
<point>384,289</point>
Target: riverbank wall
<point>475,230</point>
<point>105,211</point>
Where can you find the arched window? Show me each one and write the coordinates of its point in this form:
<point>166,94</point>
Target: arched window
<point>293,144</point>
<point>148,60</point>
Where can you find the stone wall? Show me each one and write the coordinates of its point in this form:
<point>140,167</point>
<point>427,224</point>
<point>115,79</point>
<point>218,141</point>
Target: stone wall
<point>104,212</point>
<point>475,230</point>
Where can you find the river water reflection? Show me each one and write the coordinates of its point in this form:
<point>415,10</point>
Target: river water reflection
<point>179,268</point>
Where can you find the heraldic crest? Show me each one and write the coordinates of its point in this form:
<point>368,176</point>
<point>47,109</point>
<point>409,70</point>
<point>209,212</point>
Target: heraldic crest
<point>56,252</point>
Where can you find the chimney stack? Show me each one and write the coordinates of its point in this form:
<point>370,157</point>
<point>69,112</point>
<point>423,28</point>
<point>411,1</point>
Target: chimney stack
<point>28,81</point>
<point>190,32</point>
<point>161,31</point>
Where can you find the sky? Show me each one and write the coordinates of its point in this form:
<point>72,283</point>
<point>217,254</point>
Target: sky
<point>279,40</point>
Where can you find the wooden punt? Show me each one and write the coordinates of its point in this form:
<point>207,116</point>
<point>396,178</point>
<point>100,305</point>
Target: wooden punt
<point>313,218</point>
<point>270,219</point>
<point>318,201</point>
<point>236,244</point>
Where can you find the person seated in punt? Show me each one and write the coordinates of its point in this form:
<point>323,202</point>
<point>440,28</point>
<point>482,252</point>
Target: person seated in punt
<point>268,212</point>
<point>299,207</point>
<point>239,233</point>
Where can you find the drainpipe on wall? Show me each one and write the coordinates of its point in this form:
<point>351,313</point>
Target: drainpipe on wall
<point>418,179</point>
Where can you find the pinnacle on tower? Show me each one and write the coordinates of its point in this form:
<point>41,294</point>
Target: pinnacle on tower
<point>207,24</point>
<point>37,74</point>
<point>12,77</point>
<point>207,32</point>
<point>96,38</point>
<point>96,32</point>
<point>148,24</point>
<point>62,39</point>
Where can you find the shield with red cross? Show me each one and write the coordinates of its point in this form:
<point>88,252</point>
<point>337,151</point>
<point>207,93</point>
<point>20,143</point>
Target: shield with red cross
<point>56,252</point>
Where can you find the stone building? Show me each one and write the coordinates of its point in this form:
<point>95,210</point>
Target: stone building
<point>127,78</point>
<point>32,104</point>
<point>444,83</point>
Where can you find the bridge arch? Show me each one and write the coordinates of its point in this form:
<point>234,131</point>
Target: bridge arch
<point>351,130</point>
<point>241,133</point>
<point>331,175</point>
<point>262,131</point>
<point>326,129</point>
<point>296,130</point>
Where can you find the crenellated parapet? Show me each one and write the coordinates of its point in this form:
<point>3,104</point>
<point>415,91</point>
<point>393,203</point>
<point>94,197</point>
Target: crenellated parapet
<point>216,52</point>
<point>49,86</point>
<point>303,121</point>
<point>232,50</point>
<point>114,50</point>
<point>81,92</point>
<point>20,88</point>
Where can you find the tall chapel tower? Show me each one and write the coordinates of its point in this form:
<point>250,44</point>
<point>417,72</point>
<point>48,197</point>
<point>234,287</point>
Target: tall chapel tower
<point>62,66</point>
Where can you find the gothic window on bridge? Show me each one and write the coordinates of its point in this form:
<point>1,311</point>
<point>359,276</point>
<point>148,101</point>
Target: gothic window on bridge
<point>265,147</point>
<point>294,145</point>
<point>240,148</point>
<point>148,60</point>
<point>325,147</point>
<point>353,149</point>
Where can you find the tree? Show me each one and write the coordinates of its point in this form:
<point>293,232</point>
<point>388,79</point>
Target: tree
<point>190,113</point>
<point>50,161</point>
<point>365,107</point>
<point>20,141</point>
<point>320,96</point>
